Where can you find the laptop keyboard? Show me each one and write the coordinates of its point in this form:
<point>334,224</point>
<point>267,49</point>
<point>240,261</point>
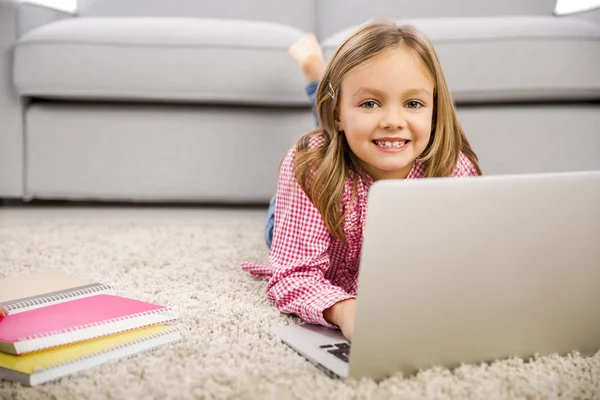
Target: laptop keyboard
<point>340,350</point>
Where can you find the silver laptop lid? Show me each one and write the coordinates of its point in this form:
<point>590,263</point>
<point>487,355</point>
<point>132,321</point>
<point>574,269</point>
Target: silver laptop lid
<point>476,269</point>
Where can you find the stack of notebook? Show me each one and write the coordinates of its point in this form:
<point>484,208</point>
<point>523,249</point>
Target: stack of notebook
<point>59,324</point>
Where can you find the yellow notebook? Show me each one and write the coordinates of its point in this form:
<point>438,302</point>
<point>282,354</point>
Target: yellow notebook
<point>36,368</point>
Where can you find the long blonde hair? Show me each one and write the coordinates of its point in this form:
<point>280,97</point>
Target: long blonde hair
<point>322,172</point>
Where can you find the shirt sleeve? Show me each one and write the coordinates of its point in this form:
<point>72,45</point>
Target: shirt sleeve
<point>299,253</point>
<point>464,167</point>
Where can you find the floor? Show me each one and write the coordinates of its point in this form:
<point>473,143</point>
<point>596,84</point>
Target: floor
<point>178,259</point>
<point>130,213</point>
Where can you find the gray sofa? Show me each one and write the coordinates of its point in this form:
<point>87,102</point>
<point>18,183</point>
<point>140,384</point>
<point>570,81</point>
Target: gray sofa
<point>194,100</point>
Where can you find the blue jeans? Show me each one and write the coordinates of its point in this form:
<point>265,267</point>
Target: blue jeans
<point>311,91</point>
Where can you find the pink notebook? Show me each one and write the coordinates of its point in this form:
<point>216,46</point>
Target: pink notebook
<point>77,320</point>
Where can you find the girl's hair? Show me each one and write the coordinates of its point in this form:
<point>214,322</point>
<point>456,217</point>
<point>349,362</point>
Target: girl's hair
<point>322,172</point>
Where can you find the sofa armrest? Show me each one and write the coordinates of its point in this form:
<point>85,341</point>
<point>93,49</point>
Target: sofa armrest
<point>593,14</point>
<point>16,19</point>
<point>32,16</point>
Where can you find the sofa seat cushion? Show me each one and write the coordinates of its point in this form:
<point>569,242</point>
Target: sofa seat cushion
<point>161,59</point>
<point>499,59</point>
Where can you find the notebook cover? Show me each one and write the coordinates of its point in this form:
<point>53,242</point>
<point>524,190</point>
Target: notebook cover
<point>29,363</point>
<point>61,317</point>
<point>49,282</point>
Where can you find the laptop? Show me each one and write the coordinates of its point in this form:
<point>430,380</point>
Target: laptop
<point>469,270</point>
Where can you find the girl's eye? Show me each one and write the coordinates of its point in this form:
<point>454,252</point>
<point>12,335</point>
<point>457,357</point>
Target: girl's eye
<point>414,104</point>
<point>369,104</point>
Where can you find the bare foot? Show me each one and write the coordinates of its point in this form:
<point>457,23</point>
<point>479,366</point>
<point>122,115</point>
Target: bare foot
<point>3,312</point>
<point>308,54</point>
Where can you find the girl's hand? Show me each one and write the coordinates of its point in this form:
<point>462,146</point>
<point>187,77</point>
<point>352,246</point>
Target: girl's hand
<point>3,312</point>
<point>342,315</point>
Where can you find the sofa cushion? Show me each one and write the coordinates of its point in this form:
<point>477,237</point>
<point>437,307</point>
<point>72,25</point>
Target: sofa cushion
<point>161,59</point>
<point>489,59</point>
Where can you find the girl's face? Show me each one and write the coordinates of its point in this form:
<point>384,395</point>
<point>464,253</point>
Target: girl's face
<point>385,110</point>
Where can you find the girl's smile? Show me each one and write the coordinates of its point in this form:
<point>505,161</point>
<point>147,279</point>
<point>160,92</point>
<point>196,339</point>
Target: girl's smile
<point>391,144</point>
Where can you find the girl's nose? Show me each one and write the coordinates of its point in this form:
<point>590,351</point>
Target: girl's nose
<point>393,119</point>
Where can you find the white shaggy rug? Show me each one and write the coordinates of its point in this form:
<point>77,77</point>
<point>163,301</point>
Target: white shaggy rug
<point>194,264</point>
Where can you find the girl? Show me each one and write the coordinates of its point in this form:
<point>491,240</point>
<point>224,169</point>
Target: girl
<point>385,112</point>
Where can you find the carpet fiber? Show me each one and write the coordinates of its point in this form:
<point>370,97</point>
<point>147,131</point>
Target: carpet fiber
<point>228,352</point>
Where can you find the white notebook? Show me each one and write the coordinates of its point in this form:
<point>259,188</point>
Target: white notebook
<point>31,291</point>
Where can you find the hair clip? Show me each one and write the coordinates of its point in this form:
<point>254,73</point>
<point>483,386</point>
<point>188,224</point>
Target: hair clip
<point>331,91</point>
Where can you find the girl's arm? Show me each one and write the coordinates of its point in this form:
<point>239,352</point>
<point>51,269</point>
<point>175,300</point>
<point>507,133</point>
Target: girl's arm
<point>299,253</point>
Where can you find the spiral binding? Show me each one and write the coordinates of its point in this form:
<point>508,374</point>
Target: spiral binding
<point>179,328</point>
<point>94,330</point>
<point>59,298</point>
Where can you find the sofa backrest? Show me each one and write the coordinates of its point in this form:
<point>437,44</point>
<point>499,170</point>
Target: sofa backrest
<point>298,13</point>
<point>334,15</point>
<point>324,17</point>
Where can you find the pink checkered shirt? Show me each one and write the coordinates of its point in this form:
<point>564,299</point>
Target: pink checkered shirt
<point>310,270</point>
